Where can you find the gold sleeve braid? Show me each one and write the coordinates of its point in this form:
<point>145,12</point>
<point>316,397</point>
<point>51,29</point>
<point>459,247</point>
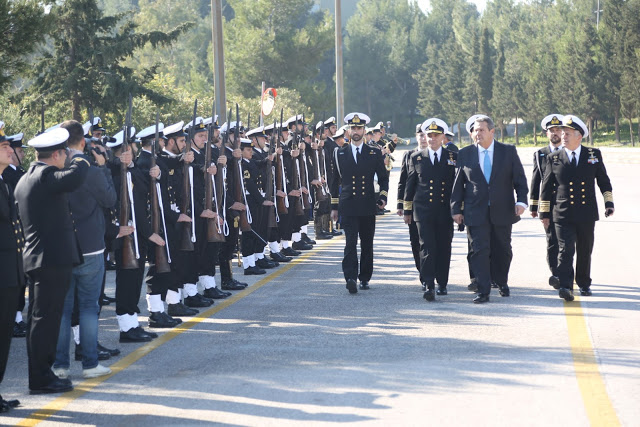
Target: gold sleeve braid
<point>608,196</point>
<point>407,205</point>
<point>533,202</point>
<point>545,206</point>
<point>384,193</point>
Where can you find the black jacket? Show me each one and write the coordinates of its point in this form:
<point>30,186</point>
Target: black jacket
<point>11,240</point>
<point>50,236</point>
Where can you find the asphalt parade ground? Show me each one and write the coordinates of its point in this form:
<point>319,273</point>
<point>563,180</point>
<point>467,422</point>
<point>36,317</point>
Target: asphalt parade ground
<point>295,348</point>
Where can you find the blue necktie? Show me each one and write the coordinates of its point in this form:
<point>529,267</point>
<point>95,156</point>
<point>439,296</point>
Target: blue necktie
<point>487,166</point>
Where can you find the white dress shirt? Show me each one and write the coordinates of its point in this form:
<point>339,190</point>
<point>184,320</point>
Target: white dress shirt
<point>577,151</point>
<point>433,153</point>
<point>354,150</point>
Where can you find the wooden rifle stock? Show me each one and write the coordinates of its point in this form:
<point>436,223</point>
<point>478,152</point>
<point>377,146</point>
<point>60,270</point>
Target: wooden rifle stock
<point>129,261</point>
<point>236,170</point>
<point>213,235</point>
<point>161,259</point>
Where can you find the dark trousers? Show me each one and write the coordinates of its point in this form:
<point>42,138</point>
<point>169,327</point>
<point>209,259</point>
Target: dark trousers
<point>435,251</point>
<point>285,226</point>
<point>129,284</point>
<point>47,291</point>
<point>414,238</point>
<point>575,239</point>
<point>365,228</point>
<point>491,255</point>
<point>552,248</point>
<point>8,300</point>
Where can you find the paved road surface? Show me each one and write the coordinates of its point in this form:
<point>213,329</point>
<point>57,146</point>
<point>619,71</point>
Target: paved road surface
<point>296,348</point>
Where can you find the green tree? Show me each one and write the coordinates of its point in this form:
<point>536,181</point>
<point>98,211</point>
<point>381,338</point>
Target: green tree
<point>24,25</point>
<point>85,66</point>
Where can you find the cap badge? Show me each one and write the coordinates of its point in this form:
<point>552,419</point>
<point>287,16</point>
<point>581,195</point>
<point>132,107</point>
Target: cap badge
<point>555,121</point>
<point>570,121</point>
<point>355,119</point>
<point>433,126</point>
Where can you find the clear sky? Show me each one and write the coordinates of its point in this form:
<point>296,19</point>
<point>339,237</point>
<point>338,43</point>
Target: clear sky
<point>480,4</point>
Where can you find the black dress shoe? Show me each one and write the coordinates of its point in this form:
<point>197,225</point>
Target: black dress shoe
<point>180,310</point>
<point>289,252</point>
<point>554,282</point>
<point>197,300</point>
<point>504,291</point>
<point>112,351</point>
<point>102,355</point>
<point>442,290</point>
<point>336,232</point>
<point>307,239</point>
<point>429,295</point>
<point>364,285</point>
<point>494,285</point>
<point>566,294</point>
<point>55,386</point>
<point>254,271</point>
<point>321,235</point>
<point>473,287</point>
<point>301,246</point>
<point>266,264</point>
<point>7,405</point>
<point>103,301</point>
<point>237,282</point>
<point>110,265</point>
<point>19,329</point>
<point>278,257</point>
<point>162,320</point>
<point>230,285</point>
<point>481,298</point>
<point>135,335</point>
<point>215,293</point>
<point>585,292</point>
<point>352,286</point>
<point>142,331</point>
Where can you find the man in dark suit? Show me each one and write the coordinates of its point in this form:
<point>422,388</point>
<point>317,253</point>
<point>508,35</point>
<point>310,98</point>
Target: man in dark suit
<point>355,166</point>
<point>552,124</point>
<point>570,177</point>
<point>426,202</point>
<point>10,264</point>
<point>51,250</point>
<point>487,174</point>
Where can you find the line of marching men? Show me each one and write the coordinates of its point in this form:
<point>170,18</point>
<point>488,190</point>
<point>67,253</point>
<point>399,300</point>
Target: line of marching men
<point>474,187</point>
<point>178,199</point>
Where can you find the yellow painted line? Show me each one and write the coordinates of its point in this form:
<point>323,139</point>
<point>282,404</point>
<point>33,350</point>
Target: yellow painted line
<point>86,386</point>
<point>597,403</point>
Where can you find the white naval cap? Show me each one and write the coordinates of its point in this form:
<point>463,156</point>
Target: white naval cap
<point>574,122</point>
<point>471,121</point>
<point>357,119</point>
<point>199,125</point>
<point>210,120</point>
<point>434,125</point>
<point>150,131</point>
<point>259,131</point>
<point>3,137</point>
<point>339,133</point>
<point>175,130</point>
<point>331,121</point>
<point>119,137</point>
<point>293,119</point>
<point>552,120</point>
<point>53,140</point>
<point>86,128</point>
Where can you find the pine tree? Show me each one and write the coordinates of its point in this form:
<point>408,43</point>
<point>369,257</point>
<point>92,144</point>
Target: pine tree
<point>86,65</point>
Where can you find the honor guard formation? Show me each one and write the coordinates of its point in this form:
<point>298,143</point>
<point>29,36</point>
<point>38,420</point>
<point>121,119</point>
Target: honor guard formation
<point>166,205</point>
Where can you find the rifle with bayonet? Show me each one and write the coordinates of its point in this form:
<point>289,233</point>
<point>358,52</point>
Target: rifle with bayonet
<point>127,214</point>
<point>321,193</point>
<point>280,175</point>
<point>238,182</point>
<point>188,237</point>
<point>270,184</point>
<point>214,231</point>
<point>304,175</point>
<point>296,183</point>
<point>162,255</point>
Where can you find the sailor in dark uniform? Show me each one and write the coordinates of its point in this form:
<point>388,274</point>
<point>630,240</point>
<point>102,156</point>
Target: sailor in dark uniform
<point>355,166</point>
<point>13,280</point>
<point>570,177</point>
<point>426,201</point>
<point>51,250</point>
<point>414,238</point>
<point>552,124</point>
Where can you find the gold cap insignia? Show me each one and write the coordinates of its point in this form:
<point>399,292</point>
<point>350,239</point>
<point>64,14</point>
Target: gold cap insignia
<point>99,123</point>
<point>570,121</point>
<point>355,119</point>
<point>433,126</point>
<point>554,121</point>
<point>1,132</point>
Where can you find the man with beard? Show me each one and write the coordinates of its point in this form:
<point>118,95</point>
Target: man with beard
<point>355,166</point>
